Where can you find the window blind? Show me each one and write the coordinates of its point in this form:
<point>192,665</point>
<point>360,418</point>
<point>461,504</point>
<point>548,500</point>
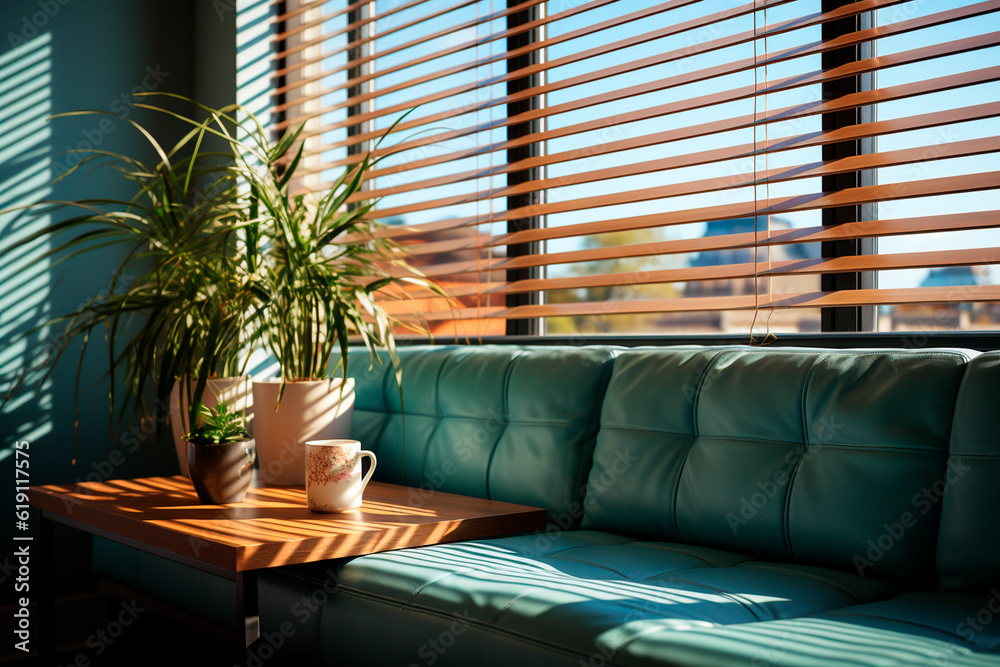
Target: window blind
<point>674,166</point>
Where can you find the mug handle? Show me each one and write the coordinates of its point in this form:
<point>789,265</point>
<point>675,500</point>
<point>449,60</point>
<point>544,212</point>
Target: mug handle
<point>367,478</point>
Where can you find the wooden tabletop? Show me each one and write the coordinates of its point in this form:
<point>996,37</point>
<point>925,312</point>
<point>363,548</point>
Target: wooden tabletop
<point>273,526</point>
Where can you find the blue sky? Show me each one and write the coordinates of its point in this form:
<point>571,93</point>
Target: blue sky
<point>886,78</point>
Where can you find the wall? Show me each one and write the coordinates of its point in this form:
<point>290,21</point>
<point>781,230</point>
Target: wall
<point>63,55</point>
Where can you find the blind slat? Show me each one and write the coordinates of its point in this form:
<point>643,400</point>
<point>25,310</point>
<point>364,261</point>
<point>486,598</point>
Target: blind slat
<point>851,69</point>
<point>697,202</point>
<point>942,258</point>
<point>782,205</point>
<point>769,147</point>
<point>427,57</point>
<point>357,25</point>
<point>715,184</point>
<point>567,60</point>
<point>843,298</point>
<point>847,231</point>
<point>745,92</point>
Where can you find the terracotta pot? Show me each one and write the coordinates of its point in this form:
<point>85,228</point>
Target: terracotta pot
<point>235,391</point>
<point>221,474</point>
<point>312,410</point>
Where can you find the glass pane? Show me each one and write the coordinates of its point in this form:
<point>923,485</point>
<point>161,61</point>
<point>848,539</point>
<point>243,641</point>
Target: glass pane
<point>944,316</point>
<point>713,183</point>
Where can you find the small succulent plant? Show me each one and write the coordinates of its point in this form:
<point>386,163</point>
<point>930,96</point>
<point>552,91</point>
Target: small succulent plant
<point>220,426</point>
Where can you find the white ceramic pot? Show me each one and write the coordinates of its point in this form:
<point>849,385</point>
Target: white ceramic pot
<point>237,392</point>
<point>311,410</point>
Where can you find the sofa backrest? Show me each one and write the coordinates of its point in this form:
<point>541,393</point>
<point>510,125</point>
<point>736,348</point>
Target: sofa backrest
<point>812,456</point>
<point>969,545</point>
<point>501,422</point>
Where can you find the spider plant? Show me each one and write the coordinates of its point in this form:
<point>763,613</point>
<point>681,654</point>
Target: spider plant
<point>315,259</point>
<point>237,263</point>
<point>185,312</point>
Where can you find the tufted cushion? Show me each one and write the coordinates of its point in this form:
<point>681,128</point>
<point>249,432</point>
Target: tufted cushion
<point>547,599</point>
<point>813,456</point>
<point>969,545</point>
<point>504,422</point>
<point>913,630</point>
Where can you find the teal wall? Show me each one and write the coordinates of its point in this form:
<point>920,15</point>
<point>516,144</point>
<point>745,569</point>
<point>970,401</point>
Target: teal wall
<point>63,55</point>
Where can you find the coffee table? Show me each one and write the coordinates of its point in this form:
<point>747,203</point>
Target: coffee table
<point>272,527</point>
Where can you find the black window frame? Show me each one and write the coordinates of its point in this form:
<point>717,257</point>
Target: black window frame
<point>841,327</point>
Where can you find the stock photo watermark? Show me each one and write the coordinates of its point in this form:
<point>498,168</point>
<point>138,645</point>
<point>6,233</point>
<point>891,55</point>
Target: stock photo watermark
<point>22,546</point>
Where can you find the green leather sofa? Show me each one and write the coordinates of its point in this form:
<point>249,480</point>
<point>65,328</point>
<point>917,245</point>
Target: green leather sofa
<point>707,506</point>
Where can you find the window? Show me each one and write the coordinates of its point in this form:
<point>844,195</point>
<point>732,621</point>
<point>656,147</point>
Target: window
<point>585,167</point>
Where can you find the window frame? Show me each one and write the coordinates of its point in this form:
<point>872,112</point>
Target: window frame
<point>841,327</point>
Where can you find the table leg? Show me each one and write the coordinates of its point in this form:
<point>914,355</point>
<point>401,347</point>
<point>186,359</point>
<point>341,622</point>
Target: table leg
<point>247,614</point>
<point>45,630</point>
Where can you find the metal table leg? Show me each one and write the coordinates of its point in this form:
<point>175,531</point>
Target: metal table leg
<point>247,613</point>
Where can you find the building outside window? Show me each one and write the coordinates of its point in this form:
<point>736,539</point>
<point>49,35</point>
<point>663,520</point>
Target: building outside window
<point>581,168</point>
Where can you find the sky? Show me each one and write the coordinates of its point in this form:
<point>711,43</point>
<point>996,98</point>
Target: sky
<point>391,32</point>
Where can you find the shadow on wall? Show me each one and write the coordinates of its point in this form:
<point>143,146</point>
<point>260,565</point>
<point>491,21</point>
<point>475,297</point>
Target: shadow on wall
<point>65,55</point>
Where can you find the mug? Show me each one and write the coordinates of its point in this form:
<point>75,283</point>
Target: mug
<point>333,474</point>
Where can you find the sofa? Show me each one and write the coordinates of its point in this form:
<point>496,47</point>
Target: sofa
<point>722,505</point>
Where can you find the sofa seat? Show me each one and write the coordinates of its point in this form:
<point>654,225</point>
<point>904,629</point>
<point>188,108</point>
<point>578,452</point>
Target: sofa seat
<point>210,597</point>
<point>555,598</point>
<point>918,629</point>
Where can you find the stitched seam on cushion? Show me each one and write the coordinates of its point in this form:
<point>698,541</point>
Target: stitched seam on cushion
<point>690,555</point>
<point>386,412</point>
<point>976,455</point>
<point>832,445</point>
<point>807,575</point>
<point>786,512</point>
<point>642,429</point>
<point>586,546</point>
<point>440,417</point>
<point>697,392</point>
<point>740,438</point>
<point>639,635</point>
<point>885,448</point>
<point>420,589</point>
<point>669,573</point>
<point>677,488</point>
<point>906,354</point>
<point>505,406</point>
<point>749,607</point>
<point>694,427</point>
<point>597,565</point>
<point>581,476</point>
<point>904,622</point>
<point>503,632</point>
<point>522,423</point>
<point>503,610</point>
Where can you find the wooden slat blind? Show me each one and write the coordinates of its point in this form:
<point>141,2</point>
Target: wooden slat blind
<point>664,166</point>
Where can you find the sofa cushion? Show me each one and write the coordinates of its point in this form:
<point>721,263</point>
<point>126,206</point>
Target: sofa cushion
<point>812,456</point>
<point>501,422</point>
<point>969,545</point>
<point>208,596</point>
<point>562,596</point>
<point>915,630</point>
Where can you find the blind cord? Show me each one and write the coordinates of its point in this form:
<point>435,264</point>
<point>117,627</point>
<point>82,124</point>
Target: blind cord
<point>768,336</point>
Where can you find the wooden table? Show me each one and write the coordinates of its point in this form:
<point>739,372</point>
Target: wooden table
<point>270,528</point>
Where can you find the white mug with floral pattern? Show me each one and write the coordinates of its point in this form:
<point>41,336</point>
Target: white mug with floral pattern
<point>333,474</point>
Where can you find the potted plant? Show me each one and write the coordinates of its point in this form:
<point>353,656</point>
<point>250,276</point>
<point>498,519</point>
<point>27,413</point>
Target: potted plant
<point>220,456</point>
<point>178,305</point>
<point>316,267</point>
<point>240,262</point>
